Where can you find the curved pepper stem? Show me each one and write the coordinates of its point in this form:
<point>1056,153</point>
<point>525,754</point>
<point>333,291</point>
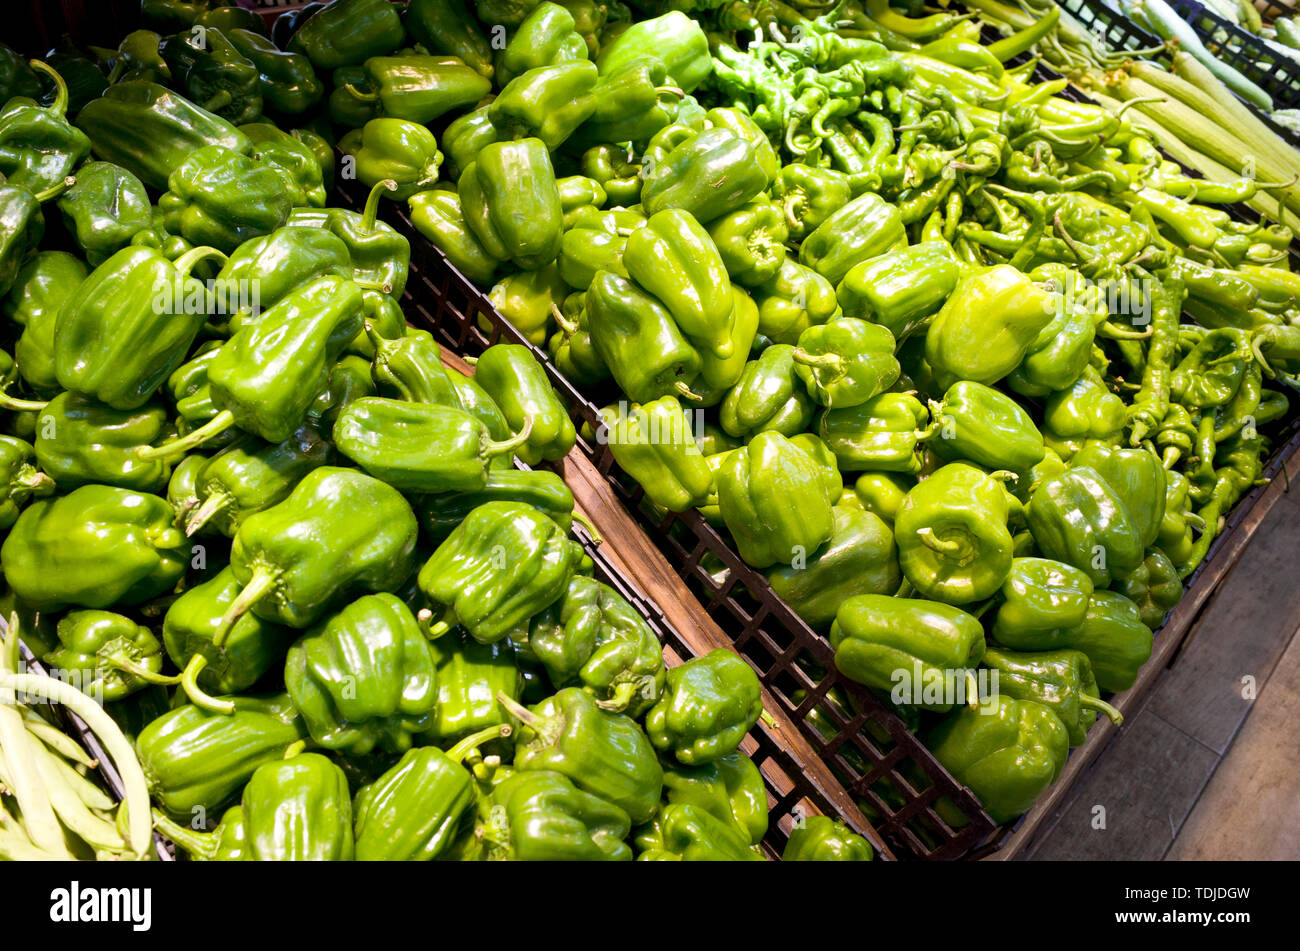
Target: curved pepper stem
<point>219,101</point>
<point>492,447</point>
<point>371,212</point>
<point>623,694</point>
<point>434,630</point>
<point>14,404</point>
<point>60,106</point>
<point>829,360</point>
<point>186,262</point>
<point>588,527</point>
<point>472,742</point>
<point>1096,703</point>
<point>175,448</point>
<point>205,512</point>
<point>564,323</point>
<point>519,711</point>
<point>687,393</point>
<point>126,665</point>
<point>258,586</point>
<point>199,845</point>
<point>198,696</point>
<point>360,96</point>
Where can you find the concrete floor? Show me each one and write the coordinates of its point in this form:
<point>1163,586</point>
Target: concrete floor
<point>1209,768</point>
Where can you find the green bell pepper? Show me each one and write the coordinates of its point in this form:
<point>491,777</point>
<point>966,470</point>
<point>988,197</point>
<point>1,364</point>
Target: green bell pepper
<point>1115,639</point>
<point>494,597</point>
<point>1060,680</point>
<point>440,514</point>
<point>881,435</point>
<point>846,361</point>
<point>863,229</point>
<point>796,299</point>
<point>653,443</point>
<point>1137,478</point>
<point>288,83</point>
<point>1041,599</point>
<point>221,198</point>
<point>545,37</point>
<point>808,195</point>
<point>593,638</point>
<point>882,493</point>
<point>1154,586</point>
<point>976,423</point>
<point>1086,410</point>
<point>298,810</point>
<point>21,479</point>
<point>514,222</point>
<point>364,678</point>
<point>139,58</point>
<point>105,209</point>
<point>95,547</point>
<point>39,147</point>
<point>111,655</point>
<point>708,175</point>
<point>151,131</point>
<point>641,344</point>
<point>262,271</point>
<point>632,105</point>
<point>398,151</point>
<point>674,40</point>
<point>1077,518</point>
<point>291,159</point>
<point>548,103</point>
<point>768,397</point>
<point>422,88</point>
<point>518,384</point>
<point>774,501</point>
<point>215,74</point>
<point>718,375</point>
<point>40,290</point>
<point>604,754</point>
<point>252,647</point>
<point>22,225</point>
<point>1006,756</point>
<point>228,842</point>
<point>348,32</point>
<point>821,839</point>
<point>859,559</point>
<point>438,216</point>
<point>987,325</point>
<point>81,441</point>
<point>410,368</point>
<point>447,26</point>
<point>751,241</point>
<point>195,760</point>
<point>464,138</point>
<point>380,256</point>
<point>900,289</point>
<point>730,788</point>
<point>470,675</point>
<point>539,815</point>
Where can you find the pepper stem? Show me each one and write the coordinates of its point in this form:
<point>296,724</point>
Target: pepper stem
<point>830,360</point>
<point>60,106</point>
<point>198,696</point>
<point>518,710</point>
<point>972,688</point>
<point>219,101</point>
<point>371,211</point>
<point>1096,703</point>
<point>143,673</point>
<point>259,585</point>
<point>20,405</point>
<point>590,529</point>
<point>683,388</point>
<point>433,631</point>
<point>186,262</point>
<point>55,190</point>
<point>470,743</point>
<point>205,512</point>
<point>360,96</point>
<point>197,844</point>
<point>175,448</point>
<point>570,327</point>
<point>492,447</point>
<point>621,697</point>
<point>933,542</point>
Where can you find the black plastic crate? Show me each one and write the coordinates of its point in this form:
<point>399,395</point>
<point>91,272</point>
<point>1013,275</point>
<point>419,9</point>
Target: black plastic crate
<point>1274,72</point>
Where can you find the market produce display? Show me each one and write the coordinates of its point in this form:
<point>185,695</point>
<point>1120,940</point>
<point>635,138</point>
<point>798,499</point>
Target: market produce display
<point>970,369</point>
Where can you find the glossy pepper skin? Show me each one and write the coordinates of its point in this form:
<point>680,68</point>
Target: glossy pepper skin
<point>708,175</point>
<point>422,88</point>
<point>410,369</point>
<point>717,375</point>
<point>221,198</point>
<point>673,258</point>
<point>846,362</point>
<point>632,105</point>
<point>364,678</point>
<point>1115,639</point>
<point>953,541</point>
<point>709,704</point>
<point>1086,410</point>
<point>511,203</point>
<point>751,241</point>
<point>195,759</point>
<point>808,195</point>
<point>860,558</point>
<point>604,754</point>
<point>252,647</point>
<point>113,655</point>
<point>730,788</point>
<point>546,36</point>
<point>213,73</point>
<point>20,479</point>
<point>128,326</point>
<point>470,677</point>
<point>1077,518</point>
<point>380,256</point>
<point>415,810</point>
<point>674,39</point>
<point>39,147</point>
<point>636,336</point>
<point>881,435</point>
<point>1041,599</point>
<point>822,839</point>
<point>926,649</point>
<point>39,292</point>
<point>796,299</point>
<point>518,384</point>
<point>864,228</point>
<point>1007,756</point>
<point>539,815</point>
<point>398,151</point>
<point>494,598</point>
<point>276,264</point>
<point>464,138</point>
<point>151,131</point>
<point>987,326</point>
<point>104,209</point>
<point>1138,480</point>
<point>22,225</point>
<point>287,82</point>
<point>291,159</point>
<point>300,558</point>
<point>95,547</point>
<point>1060,680</point>
<point>390,439</point>
<point>81,441</point>
<point>900,289</point>
<point>348,32</point>
<point>440,514</point>
<point>447,26</point>
<point>683,832</point>
<point>298,810</point>
<point>768,397</point>
<point>228,842</point>
<point>439,216</point>
<point>774,501</point>
<point>653,443</point>
<point>593,638</point>
<point>977,423</point>
<point>1154,586</point>
<point>548,103</point>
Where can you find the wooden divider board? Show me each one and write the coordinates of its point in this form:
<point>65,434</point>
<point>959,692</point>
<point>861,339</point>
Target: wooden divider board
<point>641,561</point>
